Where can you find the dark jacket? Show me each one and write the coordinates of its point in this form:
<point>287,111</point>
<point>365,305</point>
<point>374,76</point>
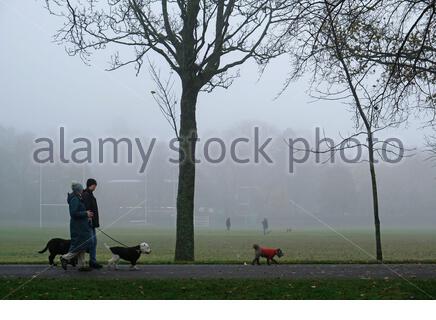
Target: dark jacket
<point>91,204</point>
<point>79,226</point>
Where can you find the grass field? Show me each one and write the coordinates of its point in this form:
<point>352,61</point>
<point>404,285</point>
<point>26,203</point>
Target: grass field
<point>312,246</point>
<point>216,289</point>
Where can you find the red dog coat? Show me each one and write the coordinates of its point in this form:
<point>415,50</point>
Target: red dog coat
<point>268,253</point>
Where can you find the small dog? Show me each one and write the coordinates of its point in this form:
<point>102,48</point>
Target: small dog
<point>57,246</point>
<point>267,253</point>
<point>130,254</point>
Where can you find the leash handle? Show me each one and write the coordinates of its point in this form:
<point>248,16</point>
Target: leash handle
<point>112,238</point>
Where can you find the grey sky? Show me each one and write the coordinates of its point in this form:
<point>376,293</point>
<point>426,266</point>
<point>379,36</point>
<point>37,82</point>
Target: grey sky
<point>43,88</point>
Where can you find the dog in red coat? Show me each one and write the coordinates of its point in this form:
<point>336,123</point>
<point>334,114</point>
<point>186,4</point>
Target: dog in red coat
<point>268,253</point>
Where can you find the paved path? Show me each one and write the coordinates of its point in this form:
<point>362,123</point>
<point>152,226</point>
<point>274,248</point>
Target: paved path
<point>305,271</point>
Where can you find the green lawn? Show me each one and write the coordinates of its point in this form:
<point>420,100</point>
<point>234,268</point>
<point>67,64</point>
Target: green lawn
<point>216,289</point>
<point>314,246</point>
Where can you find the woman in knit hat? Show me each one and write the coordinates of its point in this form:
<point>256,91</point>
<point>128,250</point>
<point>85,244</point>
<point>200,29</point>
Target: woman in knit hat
<point>80,229</point>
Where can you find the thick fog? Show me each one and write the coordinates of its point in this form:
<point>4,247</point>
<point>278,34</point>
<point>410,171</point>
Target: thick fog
<point>44,89</point>
<point>338,193</point>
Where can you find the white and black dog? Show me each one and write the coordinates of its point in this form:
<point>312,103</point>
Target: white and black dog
<point>130,254</point>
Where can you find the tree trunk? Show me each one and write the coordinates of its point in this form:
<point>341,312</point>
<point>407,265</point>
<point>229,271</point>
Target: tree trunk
<point>368,126</point>
<point>378,241</point>
<point>186,187</point>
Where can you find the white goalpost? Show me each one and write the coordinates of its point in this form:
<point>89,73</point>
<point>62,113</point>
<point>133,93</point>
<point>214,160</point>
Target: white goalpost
<point>139,213</point>
<point>43,204</point>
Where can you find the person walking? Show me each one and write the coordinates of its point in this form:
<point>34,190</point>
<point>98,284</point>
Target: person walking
<point>265,226</point>
<point>91,205</point>
<point>80,228</point>
<point>228,224</point>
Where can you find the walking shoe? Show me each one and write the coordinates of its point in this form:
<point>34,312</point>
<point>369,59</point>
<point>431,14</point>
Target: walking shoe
<point>64,263</point>
<point>95,266</point>
<point>85,269</point>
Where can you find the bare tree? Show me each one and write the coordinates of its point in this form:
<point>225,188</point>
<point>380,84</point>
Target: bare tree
<point>165,97</point>
<point>326,43</point>
<point>404,45</point>
<point>200,40</point>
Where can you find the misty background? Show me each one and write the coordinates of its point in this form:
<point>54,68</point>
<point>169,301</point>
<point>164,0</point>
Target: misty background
<point>42,89</point>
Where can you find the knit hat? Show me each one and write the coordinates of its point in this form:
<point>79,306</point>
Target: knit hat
<point>76,187</point>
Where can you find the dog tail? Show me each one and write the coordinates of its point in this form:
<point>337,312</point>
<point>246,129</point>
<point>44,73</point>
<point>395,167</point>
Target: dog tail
<point>44,250</point>
<point>107,247</point>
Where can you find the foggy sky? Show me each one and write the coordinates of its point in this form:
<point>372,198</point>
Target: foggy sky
<point>43,88</point>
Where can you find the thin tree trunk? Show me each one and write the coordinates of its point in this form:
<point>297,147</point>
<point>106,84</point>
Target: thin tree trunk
<point>368,126</point>
<point>186,187</point>
<point>378,241</point>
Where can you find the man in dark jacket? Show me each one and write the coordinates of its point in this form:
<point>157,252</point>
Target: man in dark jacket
<point>91,205</point>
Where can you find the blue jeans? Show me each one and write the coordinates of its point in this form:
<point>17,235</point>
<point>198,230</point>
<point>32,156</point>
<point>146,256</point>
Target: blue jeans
<point>93,247</point>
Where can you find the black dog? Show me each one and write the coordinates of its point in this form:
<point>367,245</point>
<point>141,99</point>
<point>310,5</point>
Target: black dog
<point>58,246</point>
<point>130,254</point>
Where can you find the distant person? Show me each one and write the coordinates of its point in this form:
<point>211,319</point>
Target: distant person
<point>265,226</point>
<point>91,205</point>
<point>80,228</point>
<point>228,224</point>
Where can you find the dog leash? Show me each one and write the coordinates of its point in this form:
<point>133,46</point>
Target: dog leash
<point>112,238</point>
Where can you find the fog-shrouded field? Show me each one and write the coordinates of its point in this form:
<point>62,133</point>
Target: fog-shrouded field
<point>21,245</point>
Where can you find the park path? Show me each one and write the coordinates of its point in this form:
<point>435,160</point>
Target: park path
<point>301,271</point>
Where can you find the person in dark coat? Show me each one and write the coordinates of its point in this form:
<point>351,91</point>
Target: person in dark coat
<point>91,205</point>
<point>80,229</point>
<point>265,226</point>
<point>228,224</point>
